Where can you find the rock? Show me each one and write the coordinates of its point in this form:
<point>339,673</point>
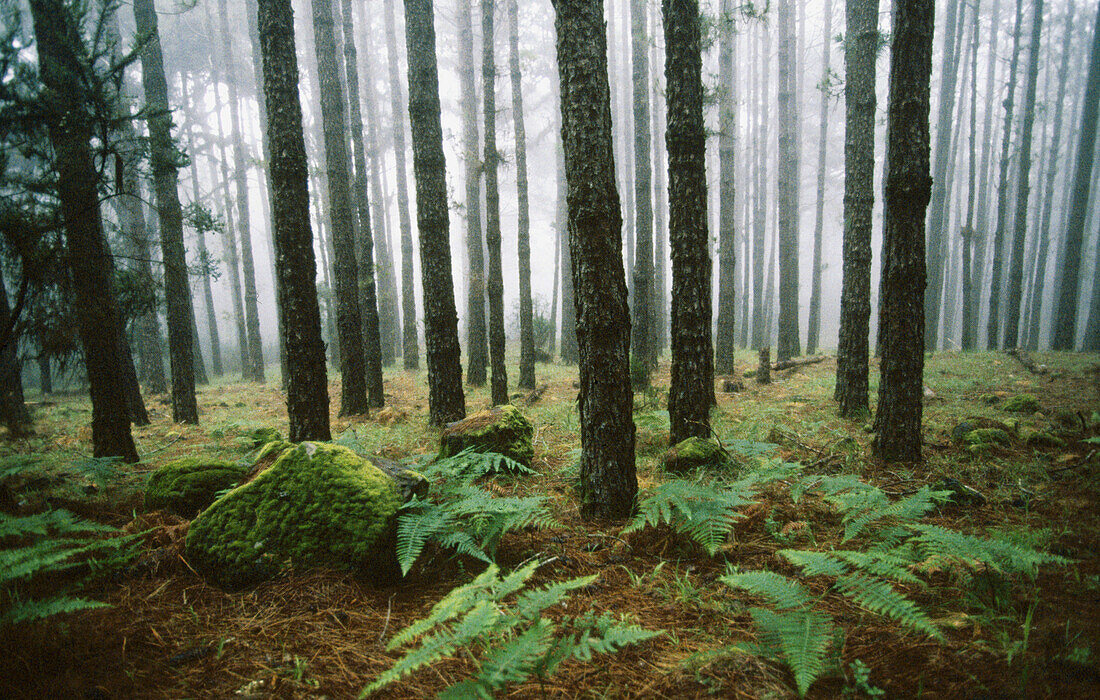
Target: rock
<point>961,495</point>
<point>186,486</point>
<point>989,399</point>
<point>986,436</point>
<point>928,393</point>
<point>692,453</point>
<point>390,416</point>
<point>1064,421</point>
<point>732,386</point>
<point>410,483</point>
<point>1021,403</point>
<point>263,436</point>
<point>501,429</point>
<point>1041,438</point>
<point>976,423</point>
<point>317,505</point>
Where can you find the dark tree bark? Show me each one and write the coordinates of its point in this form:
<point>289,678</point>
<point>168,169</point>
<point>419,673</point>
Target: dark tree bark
<point>165,177</point>
<point>788,343</point>
<point>1023,187</point>
<point>994,319</point>
<point>908,190</point>
<point>349,324</point>
<point>409,342</point>
<point>570,352</point>
<point>494,282</point>
<point>446,401</point>
<point>254,369</point>
<point>859,201</point>
<point>813,332</point>
<point>691,392</point>
<point>307,384</point>
<point>61,63</point>
<point>1065,318</point>
<point>607,475</point>
<point>726,336</point>
<point>368,295</point>
<point>13,411</point>
<point>554,294</point>
<point>477,342</point>
<point>644,337</point>
<point>45,377</point>
<point>523,227</point>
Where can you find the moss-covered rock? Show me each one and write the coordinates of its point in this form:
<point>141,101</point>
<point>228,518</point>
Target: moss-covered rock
<point>986,436</point>
<point>501,429</point>
<point>1021,403</point>
<point>318,504</point>
<point>1041,438</point>
<point>692,453</point>
<point>989,399</point>
<point>188,485</point>
<point>264,436</point>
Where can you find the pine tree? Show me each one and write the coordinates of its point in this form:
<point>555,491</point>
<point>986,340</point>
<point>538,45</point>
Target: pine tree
<point>494,279</point>
<point>787,189</point>
<point>645,334</point>
<point>523,227</point>
<point>813,332</point>
<point>726,336</point>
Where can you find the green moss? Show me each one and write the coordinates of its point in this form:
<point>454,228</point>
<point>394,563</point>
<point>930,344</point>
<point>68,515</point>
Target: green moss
<point>692,453</point>
<point>318,504</point>
<point>275,447</point>
<point>989,399</point>
<point>1041,438</point>
<point>501,429</point>
<point>186,486</point>
<point>1023,403</point>
<point>986,436</point>
<point>264,436</point>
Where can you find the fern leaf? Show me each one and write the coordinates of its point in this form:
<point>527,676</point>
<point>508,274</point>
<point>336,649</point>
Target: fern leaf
<point>530,604</point>
<point>455,603</point>
<point>908,509</point>
<point>802,637</point>
<point>27,610</point>
<point>880,597</point>
<point>815,563</point>
<point>417,524</point>
<point>779,590</point>
<point>884,564</point>
<point>513,661</point>
<point>467,689</point>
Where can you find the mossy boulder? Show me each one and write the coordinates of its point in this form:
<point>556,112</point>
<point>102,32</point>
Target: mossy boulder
<point>317,505</point>
<point>1041,438</point>
<point>986,436</point>
<point>692,453</point>
<point>264,436</point>
<point>501,429</point>
<point>989,399</point>
<point>1021,403</point>
<point>188,485</point>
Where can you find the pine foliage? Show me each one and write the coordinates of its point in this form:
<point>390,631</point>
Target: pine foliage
<point>503,620</point>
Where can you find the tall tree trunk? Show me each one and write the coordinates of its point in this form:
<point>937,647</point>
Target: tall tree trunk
<point>660,200</point>
<point>60,49</point>
<point>760,328</point>
<point>608,480</point>
<point>994,319</point>
<point>860,50</point>
<point>570,352</point>
<point>691,392</point>
<point>307,384</point>
<point>45,378</point>
<point>523,227</point>
<point>177,293</point>
<point>368,296</point>
<point>446,401</point>
<point>625,82</point>
<point>939,214</point>
<point>477,342</point>
<point>787,204</point>
<point>814,331</point>
<point>981,226</point>
<point>13,410</point>
<point>908,190</point>
<point>494,282</point>
<point>644,334</point>
<point>554,295</point>
<point>1065,323</point>
<point>254,369</point>
<point>410,343</point>
<point>726,336</point>
<point>349,324</point>
<point>967,324</point>
<point>1023,188</point>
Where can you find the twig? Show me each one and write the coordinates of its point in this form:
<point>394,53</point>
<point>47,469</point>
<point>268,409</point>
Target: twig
<point>1020,485</point>
<point>164,446</point>
<point>385,626</point>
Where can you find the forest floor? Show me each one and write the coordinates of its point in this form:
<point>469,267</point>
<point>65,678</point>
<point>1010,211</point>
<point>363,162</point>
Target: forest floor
<point>167,633</point>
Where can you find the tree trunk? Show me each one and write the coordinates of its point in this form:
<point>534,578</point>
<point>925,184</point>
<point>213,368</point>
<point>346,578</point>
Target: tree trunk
<point>523,227</point>
<point>307,384</point>
<point>70,131</point>
<point>570,353</point>
<point>477,347</point>
<point>759,226</point>
<point>981,225</point>
<point>660,199</point>
<point>607,474</point>
<point>446,401</point>
<point>860,50</point>
<point>1023,188</point>
<point>494,282</point>
<point>368,295</point>
<point>164,157</point>
<point>691,392</point>
<point>787,204</point>
<point>967,324</point>
<point>1065,324</point>
<point>726,336</point>
<point>13,411</point>
<point>410,342</point>
<point>814,331</point>
<point>908,190</point>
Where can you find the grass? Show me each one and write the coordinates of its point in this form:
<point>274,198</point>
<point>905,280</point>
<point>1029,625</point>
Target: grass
<point>320,632</point>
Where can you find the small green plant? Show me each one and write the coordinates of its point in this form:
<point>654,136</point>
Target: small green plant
<point>861,682</point>
<point>501,621</point>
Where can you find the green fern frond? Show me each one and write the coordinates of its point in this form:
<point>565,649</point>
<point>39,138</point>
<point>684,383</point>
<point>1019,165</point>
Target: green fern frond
<point>886,565</point>
<point>879,597</point>
<point>780,591</point>
<point>530,604</point>
<point>470,465</point>
<point>815,563</point>
<point>802,638</point>
<point>513,661</point>
<point>947,545</point>
<point>26,611</point>
<point>705,512</point>
<point>906,510</point>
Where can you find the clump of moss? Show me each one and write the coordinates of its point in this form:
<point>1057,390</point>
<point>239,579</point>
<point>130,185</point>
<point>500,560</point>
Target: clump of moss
<point>501,429</point>
<point>986,436</point>
<point>989,399</point>
<point>1042,438</point>
<point>1022,403</point>
<point>318,504</point>
<point>264,436</point>
<point>188,485</point>
<point>692,453</point>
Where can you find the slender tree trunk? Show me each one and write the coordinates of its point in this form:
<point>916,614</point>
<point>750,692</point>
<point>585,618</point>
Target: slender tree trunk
<point>860,50</point>
<point>607,475</point>
<point>981,226</point>
<point>410,342</point>
<point>163,156</point>
<point>70,130</point>
<point>691,392</point>
<point>45,378</point>
<point>760,231</point>
<point>788,345</point>
<point>446,402</point>
<point>660,206</point>
<point>1065,324</point>
<point>814,331</point>
<point>523,227</point>
<point>967,324</point>
<point>643,339</point>
<point>726,336</point>
<point>908,191</point>
<point>554,295</point>
<point>1023,188</point>
<point>13,410</point>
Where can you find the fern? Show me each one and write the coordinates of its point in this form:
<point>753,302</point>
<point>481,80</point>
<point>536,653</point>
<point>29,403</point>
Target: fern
<point>704,512</point>
<point>937,545</point>
<point>495,614</point>
<point>781,592</point>
<point>470,465</point>
<point>802,638</point>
